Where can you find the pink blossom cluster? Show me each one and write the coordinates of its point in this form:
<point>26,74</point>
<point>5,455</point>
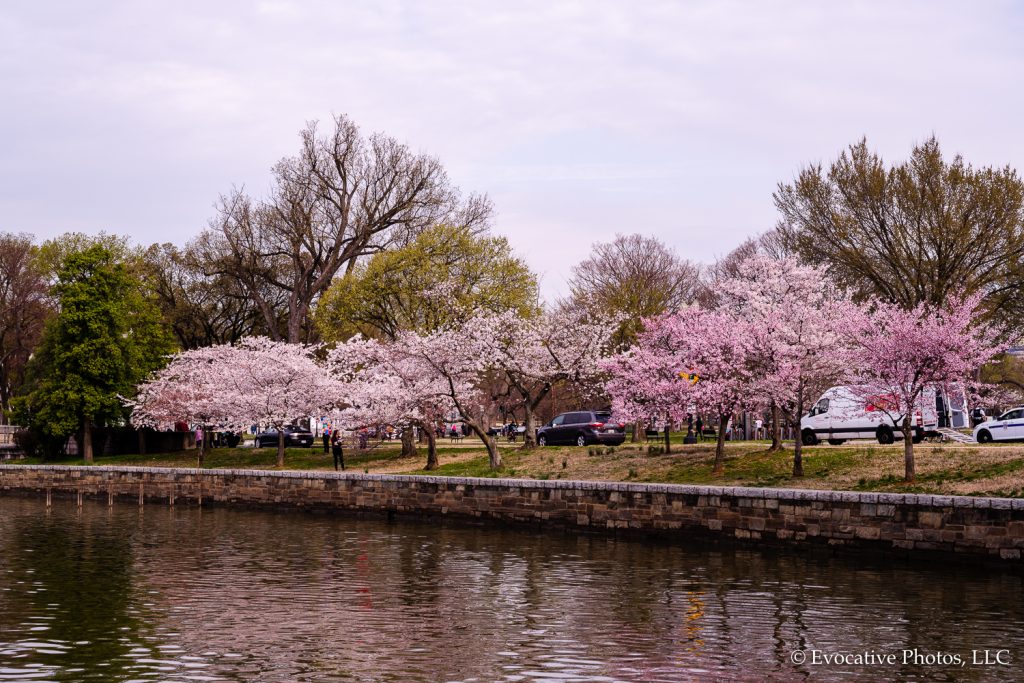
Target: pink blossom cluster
<point>256,381</point>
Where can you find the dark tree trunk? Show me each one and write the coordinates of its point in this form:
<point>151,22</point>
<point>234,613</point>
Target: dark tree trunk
<point>432,462</point>
<point>639,432</point>
<point>723,422</point>
<point>776,429</point>
<point>408,443</point>
<point>493,455</point>
<point>908,449</point>
<point>668,441</point>
<point>530,422</point>
<point>280,447</point>
<point>798,445</point>
<point>87,440</point>
<point>202,446</point>
<point>142,441</point>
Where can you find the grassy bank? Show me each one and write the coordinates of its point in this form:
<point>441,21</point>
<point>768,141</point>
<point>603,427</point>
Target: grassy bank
<point>942,469</point>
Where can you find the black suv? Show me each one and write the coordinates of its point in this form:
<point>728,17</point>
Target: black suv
<point>582,428</point>
<point>293,436</point>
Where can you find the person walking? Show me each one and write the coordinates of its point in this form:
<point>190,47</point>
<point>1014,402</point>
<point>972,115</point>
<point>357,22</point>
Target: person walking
<point>327,439</point>
<point>699,424</point>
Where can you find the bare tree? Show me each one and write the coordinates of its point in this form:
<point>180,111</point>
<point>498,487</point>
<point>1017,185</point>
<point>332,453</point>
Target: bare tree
<point>201,310</point>
<point>637,276</point>
<point>343,197</point>
<point>916,232</point>
<point>24,310</point>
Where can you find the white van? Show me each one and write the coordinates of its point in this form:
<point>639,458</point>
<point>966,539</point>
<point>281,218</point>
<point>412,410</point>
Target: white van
<point>842,413</point>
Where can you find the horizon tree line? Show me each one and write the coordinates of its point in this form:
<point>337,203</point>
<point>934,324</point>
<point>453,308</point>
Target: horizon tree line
<point>359,235</point>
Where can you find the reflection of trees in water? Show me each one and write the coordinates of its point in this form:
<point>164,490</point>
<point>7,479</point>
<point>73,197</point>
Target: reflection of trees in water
<point>305,597</point>
<point>80,569</point>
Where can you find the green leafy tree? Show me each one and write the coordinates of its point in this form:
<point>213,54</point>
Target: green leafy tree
<point>107,336</point>
<point>916,232</point>
<point>445,274</point>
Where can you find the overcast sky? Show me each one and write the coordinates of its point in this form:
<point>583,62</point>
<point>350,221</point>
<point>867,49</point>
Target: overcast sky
<point>579,119</point>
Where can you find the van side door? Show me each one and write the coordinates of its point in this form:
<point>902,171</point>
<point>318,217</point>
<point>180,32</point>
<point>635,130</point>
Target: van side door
<point>821,420</point>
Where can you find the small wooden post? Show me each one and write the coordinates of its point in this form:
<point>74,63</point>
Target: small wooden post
<point>142,498</point>
<point>170,499</point>
<point>110,497</point>
<point>49,499</point>
<point>79,497</point>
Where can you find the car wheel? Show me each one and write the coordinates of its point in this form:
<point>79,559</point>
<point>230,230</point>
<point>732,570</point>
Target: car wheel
<point>581,440</point>
<point>984,436</point>
<point>809,438</point>
<point>885,436</point>
<point>836,442</point>
<point>542,441</point>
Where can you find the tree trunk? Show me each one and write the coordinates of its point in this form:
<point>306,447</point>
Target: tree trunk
<point>432,463</point>
<point>798,443</point>
<point>908,449</point>
<point>668,442</point>
<point>723,422</point>
<point>87,440</point>
<point>202,446</point>
<point>639,432</point>
<point>493,456</point>
<point>530,435</point>
<point>408,443</point>
<point>776,429</point>
<point>142,441</point>
<point>280,447</point>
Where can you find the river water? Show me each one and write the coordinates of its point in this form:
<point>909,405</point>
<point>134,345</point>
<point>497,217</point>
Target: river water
<point>181,594</point>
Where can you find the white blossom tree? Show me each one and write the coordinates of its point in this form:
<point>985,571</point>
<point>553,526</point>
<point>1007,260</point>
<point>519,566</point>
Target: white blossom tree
<point>532,355</point>
<point>255,381</point>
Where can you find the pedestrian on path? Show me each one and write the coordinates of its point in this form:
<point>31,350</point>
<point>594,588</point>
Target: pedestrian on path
<point>338,451</point>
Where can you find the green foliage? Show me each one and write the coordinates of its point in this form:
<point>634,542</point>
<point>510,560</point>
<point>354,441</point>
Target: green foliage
<point>106,338</point>
<point>914,232</point>
<point>442,276</point>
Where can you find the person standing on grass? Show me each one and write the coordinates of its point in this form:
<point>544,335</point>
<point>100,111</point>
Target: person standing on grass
<point>327,438</point>
<point>700,427</point>
<point>338,451</point>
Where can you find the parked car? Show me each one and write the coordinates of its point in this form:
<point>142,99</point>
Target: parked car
<point>582,428</point>
<point>1007,427</point>
<point>293,436</point>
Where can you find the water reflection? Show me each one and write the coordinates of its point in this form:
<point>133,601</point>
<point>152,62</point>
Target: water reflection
<point>182,594</point>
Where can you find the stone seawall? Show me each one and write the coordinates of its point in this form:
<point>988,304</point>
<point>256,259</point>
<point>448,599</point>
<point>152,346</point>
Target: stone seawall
<point>973,529</point>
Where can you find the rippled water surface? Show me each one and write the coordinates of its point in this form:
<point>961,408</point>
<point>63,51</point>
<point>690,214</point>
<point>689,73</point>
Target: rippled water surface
<point>130,594</point>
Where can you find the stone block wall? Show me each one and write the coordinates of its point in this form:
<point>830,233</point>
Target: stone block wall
<point>906,524</point>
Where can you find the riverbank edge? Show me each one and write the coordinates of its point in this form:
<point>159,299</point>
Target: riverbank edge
<point>961,528</point>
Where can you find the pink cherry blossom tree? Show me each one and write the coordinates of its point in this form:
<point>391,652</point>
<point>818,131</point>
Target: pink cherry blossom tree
<point>532,355</point>
<point>897,354</point>
<point>386,385</point>
<point>456,360</point>
<point>255,381</point>
<point>795,315</point>
<point>714,347</point>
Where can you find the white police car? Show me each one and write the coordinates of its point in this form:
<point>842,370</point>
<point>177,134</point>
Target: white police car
<point>1007,427</point>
